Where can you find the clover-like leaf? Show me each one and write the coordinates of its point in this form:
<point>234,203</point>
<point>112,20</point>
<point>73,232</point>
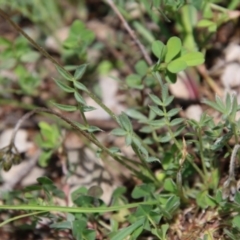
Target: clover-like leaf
<point>142,190</point>
<point>174,46</point>
<point>134,81</point>
<point>141,68</point>
<point>193,58</point>
<point>177,65</point>
<point>170,185</point>
<point>159,49</point>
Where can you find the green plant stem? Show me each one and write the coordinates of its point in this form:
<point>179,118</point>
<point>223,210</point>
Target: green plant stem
<point>201,151</point>
<point>82,114</point>
<point>78,131</point>
<point>17,104</point>
<point>19,217</point>
<point>152,222</point>
<point>99,102</point>
<point>155,138</point>
<point>233,125</point>
<point>196,168</point>
<point>179,147</point>
<point>150,150</point>
<point>76,209</point>
<point>154,178</point>
<point>217,7</point>
<point>103,224</point>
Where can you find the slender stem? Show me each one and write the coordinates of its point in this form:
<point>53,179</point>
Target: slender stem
<point>180,187</point>
<point>135,149</point>
<point>77,209</point>
<point>150,150</point>
<point>19,217</point>
<point>180,148</point>
<point>201,151</point>
<point>235,132</point>
<point>82,114</point>
<point>40,49</point>
<point>99,102</point>
<point>48,56</point>
<point>78,130</point>
<point>130,31</point>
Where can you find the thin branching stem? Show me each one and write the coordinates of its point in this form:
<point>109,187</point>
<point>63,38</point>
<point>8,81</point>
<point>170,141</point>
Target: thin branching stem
<point>124,161</point>
<point>93,96</point>
<point>39,48</point>
<point>154,178</point>
<point>179,146</point>
<point>48,56</point>
<point>201,151</point>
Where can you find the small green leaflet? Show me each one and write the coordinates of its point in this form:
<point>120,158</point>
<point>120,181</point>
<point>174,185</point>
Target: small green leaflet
<point>63,86</point>
<point>67,108</point>
<point>87,108</point>
<point>125,123</point>
<point>79,98</point>
<point>66,75</point>
<point>159,49</point>
<point>192,58</point>
<point>80,86</point>
<point>176,66</point>
<point>119,132</point>
<point>174,46</point>
<point>80,71</point>
<point>92,129</point>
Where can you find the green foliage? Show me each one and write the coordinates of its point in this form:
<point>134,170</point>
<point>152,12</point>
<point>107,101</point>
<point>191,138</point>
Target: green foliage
<point>160,139</point>
<point>16,56</point>
<point>172,58</point>
<point>78,40</point>
<point>48,140</point>
<point>46,12</point>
